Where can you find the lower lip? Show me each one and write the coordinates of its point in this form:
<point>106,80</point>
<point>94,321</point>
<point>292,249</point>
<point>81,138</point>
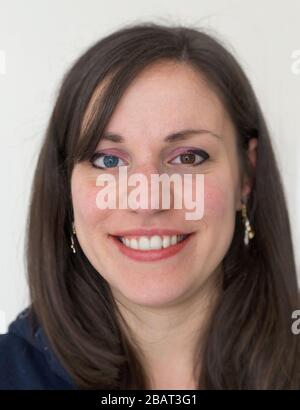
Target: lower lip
<point>151,255</point>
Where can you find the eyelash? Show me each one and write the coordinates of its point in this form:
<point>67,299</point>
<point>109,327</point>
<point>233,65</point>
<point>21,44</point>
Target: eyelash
<point>199,152</point>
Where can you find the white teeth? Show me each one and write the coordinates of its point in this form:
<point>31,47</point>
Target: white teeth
<point>155,242</point>
<point>145,243</point>
<point>133,243</point>
<point>166,241</point>
<point>173,239</point>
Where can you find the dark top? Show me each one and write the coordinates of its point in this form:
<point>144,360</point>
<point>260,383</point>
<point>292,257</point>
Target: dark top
<point>26,358</point>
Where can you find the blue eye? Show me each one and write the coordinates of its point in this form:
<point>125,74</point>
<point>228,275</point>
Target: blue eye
<point>105,161</point>
<point>189,156</point>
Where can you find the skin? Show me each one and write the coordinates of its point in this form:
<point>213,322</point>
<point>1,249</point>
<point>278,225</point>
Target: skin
<point>165,303</point>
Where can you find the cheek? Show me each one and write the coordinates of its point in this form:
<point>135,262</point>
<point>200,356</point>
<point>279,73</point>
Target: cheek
<point>218,221</point>
<point>84,194</point>
<point>218,199</point>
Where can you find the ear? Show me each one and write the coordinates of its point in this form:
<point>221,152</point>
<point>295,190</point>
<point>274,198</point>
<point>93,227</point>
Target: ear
<point>247,182</point>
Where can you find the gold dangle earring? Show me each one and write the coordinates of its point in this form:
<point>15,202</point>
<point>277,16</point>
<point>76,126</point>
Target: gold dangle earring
<point>72,238</point>
<point>249,231</point>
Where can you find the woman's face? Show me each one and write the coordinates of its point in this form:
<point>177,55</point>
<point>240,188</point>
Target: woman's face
<point>163,99</point>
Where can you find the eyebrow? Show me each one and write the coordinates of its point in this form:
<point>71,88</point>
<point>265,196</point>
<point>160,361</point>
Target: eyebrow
<point>173,137</point>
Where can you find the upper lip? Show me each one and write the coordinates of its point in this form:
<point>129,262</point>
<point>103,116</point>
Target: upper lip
<point>150,232</point>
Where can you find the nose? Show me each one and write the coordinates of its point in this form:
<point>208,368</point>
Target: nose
<point>145,193</point>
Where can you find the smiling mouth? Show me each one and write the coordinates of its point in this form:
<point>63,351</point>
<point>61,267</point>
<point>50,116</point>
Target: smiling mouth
<point>144,248</point>
<point>153,252</point>
<point>151,243</point>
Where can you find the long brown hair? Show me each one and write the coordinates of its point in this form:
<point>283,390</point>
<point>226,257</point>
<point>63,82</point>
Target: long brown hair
<point>249,343</point>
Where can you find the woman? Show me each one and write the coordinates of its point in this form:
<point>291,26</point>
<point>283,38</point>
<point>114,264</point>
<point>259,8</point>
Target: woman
<point>144,298</point>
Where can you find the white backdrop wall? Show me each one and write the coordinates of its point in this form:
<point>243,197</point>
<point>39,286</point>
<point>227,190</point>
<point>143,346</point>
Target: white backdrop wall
<point>39,39</point>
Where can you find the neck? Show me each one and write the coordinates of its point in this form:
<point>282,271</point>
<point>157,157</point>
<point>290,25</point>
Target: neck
<point>169,337</point>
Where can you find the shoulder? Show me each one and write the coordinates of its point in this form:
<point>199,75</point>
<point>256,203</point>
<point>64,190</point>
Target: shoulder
<point>22,366</point>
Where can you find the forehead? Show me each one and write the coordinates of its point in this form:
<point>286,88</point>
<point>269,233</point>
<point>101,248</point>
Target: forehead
<point>163,98</point>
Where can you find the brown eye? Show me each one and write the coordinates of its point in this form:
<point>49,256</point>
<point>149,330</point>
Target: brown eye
<point>189,157</point>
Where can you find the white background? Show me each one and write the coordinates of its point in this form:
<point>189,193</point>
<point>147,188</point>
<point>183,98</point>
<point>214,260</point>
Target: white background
<point>39,39</point>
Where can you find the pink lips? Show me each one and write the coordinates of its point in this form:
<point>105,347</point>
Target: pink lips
<point>150,255</point>
<point>150,232</point>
